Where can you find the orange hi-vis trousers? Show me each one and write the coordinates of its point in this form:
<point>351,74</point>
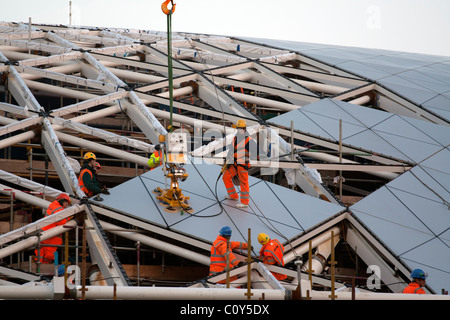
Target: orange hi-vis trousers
<point>47,253</point>
<point>242,174</point>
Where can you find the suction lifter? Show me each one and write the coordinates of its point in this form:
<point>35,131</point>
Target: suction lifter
<point>172,199</point>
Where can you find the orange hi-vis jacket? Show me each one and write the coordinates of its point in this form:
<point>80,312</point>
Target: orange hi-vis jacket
<point>414,288</point>
<point>219,254</point>
<point>88,192</point>
<point>239,168</point>
<point>47,253</point>
<point>53,208</point>
<point>272,253</point>
<point>242,152</point>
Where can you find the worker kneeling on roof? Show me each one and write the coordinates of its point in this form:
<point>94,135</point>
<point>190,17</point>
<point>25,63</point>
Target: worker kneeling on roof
<point>46,254</point>
<point>221,251</point>
<point>272,252</point>
<point>156,158</point>
<point>243,149</point>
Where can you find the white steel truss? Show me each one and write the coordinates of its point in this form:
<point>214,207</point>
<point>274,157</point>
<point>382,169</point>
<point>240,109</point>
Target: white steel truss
<point>104,75</point>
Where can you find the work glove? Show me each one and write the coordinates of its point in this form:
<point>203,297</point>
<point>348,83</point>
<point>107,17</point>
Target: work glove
<point>240,264</point>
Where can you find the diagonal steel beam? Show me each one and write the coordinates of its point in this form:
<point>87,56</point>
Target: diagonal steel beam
<point>271,76</point>
<point>102,252</point>
<point>220,100</point>
<point>57,155</point>
<point>145,120</point>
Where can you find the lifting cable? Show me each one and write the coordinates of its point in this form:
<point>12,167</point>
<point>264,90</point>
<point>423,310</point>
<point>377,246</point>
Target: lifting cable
<point>222,209</point>
<point>168,12</point>
<point>214,193</point>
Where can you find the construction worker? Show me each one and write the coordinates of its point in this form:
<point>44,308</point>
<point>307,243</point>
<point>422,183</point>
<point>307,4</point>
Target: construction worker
<point>243,147</point>
<point>418,282</point>
<point>221,251</point>
<point>46,254</point>
<point>272,252</point>
<point>156,158</point>
<point>97,168</point>
<point>87,179</point>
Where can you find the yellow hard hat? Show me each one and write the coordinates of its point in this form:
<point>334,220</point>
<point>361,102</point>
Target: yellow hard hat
<point>89,155</point>
<point>263,238</point>
<point>241,124</point>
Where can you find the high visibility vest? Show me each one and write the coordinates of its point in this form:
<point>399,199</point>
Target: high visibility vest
<point>272,252</point>
<point>53,208</point>
<point>241,152</point>
<point>154,160</point>
<point>414,288</point>
<point>88,193</point>
<point>219,254</point>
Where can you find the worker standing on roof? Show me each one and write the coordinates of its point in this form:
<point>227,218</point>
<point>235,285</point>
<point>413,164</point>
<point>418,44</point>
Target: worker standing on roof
<point>87,179</point>
<point>221,251</point>
<point>47,253</point>
<point>156,158</point>
<point>243,148</point>
<point>418,282</point>
<point>271,253</point>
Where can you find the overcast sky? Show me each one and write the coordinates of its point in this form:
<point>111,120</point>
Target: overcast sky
<point>403,25</point>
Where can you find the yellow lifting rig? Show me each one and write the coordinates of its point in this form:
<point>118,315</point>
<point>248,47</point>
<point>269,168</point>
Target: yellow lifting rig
<point>172,198</point>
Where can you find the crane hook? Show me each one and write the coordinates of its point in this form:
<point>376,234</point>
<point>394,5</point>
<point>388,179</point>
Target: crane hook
<point>165,9</point>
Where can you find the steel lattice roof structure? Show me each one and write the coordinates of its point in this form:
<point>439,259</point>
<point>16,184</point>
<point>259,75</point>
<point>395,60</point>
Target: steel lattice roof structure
<point>359,112</point>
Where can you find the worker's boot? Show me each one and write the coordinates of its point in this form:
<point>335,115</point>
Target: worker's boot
<point>242,205</point>
<point>230,198</point>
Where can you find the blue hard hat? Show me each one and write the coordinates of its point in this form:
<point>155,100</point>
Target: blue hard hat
<point>418,273</point>
<point>225,231</point>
